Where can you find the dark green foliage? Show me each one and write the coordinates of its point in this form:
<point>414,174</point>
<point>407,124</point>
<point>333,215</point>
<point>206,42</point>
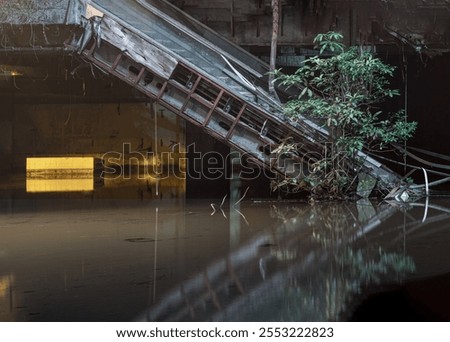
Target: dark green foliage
<point>344,93</point>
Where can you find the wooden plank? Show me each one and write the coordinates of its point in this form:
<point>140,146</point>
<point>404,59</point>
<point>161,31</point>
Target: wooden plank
<point>137,48</point>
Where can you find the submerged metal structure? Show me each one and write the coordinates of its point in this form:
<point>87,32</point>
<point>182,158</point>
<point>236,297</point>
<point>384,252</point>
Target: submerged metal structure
<point>205,79</point>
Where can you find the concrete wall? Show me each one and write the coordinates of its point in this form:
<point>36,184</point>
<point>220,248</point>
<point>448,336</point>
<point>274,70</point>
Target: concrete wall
<point>82,129</point>
<point>41,11</point>
<point>417,24</point>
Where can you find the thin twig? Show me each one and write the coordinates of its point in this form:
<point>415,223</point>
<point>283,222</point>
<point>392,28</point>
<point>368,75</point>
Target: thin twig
<point>223,201</point>
<point>243,216</point>
<point>223,213</point>
<point>212,206</point>
<point>245,193</point>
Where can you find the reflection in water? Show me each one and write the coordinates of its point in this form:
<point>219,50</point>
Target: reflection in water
<point>122,252</point>
<point>308,268</point>
<point>5,284</point>
<point>6,297</point>
<point>59,185</point>
<point>144,187</point>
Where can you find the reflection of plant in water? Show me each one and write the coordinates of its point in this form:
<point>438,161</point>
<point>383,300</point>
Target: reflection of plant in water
<point>369,270</point>
<point>289,214</point>
<point>331,222</point>
<point>322,293</point>
<point>284,214</point>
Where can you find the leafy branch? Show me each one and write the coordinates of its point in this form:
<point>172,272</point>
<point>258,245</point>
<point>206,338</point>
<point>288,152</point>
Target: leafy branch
<point>344,93</point>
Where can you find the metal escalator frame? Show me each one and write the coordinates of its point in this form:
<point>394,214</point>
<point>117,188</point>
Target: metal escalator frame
<point>272,125</point>
<point>135,79</point>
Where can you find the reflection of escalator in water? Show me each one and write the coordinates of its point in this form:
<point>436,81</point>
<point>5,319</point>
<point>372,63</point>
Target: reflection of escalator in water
<point>202,77</point>
<point>313,267</point>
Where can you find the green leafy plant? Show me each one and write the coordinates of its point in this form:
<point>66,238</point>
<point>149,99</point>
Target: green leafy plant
<point>344,93</point>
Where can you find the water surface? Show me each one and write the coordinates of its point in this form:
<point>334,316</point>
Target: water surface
<point>125,253</point>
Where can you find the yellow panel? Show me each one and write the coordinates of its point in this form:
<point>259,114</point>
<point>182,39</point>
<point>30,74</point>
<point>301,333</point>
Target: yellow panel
<point>58,163</point>
<point>59,185</point>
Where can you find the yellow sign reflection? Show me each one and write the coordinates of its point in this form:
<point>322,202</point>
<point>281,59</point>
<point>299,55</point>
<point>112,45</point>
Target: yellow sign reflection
<point>5,284</point>
<point>59,185</point>
<point>60,174</point>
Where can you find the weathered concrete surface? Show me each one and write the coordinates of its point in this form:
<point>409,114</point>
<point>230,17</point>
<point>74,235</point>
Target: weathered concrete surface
<point>423,25</point>
<point>84,129</point>
<point>41,11</point>
<point>38,26</point>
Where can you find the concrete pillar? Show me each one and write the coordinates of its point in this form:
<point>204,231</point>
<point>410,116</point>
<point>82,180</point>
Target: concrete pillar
<point>6,134</point>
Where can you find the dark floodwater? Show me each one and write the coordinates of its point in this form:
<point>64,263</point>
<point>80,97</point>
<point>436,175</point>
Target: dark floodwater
<point>127,254</point>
